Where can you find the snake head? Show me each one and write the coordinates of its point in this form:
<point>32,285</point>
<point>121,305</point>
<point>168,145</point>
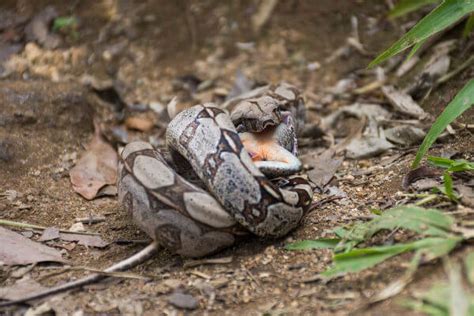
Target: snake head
<point>257,114</point>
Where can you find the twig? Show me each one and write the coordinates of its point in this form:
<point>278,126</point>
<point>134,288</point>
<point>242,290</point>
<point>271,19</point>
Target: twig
<point>90,219</point>
<point>453,73</point>
<point>194,263</point>
<point>427,199</point>
<point>264,12</point>
<point>5,222</point>
<point>126,275</point>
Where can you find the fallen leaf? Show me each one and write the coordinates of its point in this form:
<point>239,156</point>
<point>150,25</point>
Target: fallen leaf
<point>20,289</point>
<point>371,141</point>
<point>367,146</point>
<point>49,233</point>
<point>172,108</point>
<point>425,184</point>
<point>77,227</point>
<point>40,310</point>
<point>403,102</point>
<point>96,168</point>
<point>419,173</point>
<point>16,249</point>
<point>324,167</point>
<point>141,123</point>
<point>85,240</point>
<point>405,135</point>
<point>467,195</point>
<point>38,29</point>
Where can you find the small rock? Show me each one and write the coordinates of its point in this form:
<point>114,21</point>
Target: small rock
<point>77,227</point>
<point>182,300</point>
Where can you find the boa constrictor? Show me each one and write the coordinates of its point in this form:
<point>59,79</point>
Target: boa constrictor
<point>188,220</point>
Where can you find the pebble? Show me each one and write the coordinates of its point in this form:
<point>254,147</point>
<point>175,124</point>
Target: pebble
<point>182,300</point>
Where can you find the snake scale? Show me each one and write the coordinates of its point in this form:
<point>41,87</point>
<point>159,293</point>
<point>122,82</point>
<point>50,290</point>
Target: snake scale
<point>244,153</point>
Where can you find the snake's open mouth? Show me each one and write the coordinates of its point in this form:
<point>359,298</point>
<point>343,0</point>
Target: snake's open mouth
<point>274,148</point>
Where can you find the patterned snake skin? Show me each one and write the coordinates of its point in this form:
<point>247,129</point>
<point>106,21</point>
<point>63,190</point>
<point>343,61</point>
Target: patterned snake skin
<point>221,145</point>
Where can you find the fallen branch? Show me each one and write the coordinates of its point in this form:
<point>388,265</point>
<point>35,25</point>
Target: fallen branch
<point>5,222</point>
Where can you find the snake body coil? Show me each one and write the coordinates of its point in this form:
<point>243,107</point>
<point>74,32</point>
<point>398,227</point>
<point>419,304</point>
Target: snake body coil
<point>192,222</point>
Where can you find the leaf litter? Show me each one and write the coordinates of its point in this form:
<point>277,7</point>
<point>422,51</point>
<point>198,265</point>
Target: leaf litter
<point>16,249</point>
<point>96,168</point>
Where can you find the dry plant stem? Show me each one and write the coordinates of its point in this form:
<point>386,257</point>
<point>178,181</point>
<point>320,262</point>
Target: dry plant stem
<point>124,275</point>
<point>5,222</point>
<point>128,263</point>
<point>456,71</point>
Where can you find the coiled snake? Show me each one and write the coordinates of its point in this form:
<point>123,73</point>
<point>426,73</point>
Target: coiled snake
<point>230,153</point>
<point>192,222</point>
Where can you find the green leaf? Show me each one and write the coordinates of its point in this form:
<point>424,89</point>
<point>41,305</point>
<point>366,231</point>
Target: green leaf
<point>321,243</point>
<point>415,48</point>
<point>451,165</point>
<point>461,102</point>
<point>448,186</point>
<point>440,162</point>
<point>427,222</point>
<point>64,22</point>
<point>469,263</point>
<point>404,7</point>
<point>469,26</point>
<point>444,15</point>
<point>425,308</point>
<point>364,258</point>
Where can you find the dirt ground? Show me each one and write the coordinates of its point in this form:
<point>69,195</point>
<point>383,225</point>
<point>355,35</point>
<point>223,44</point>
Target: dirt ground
<point>140,50</point>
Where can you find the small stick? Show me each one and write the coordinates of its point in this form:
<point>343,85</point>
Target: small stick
<point>128,263</point>
<point>125,275</point>
<point>90,219</point>
<point>5,222</point>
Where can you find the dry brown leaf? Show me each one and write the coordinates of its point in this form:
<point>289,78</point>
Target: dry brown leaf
<point>49,233</point>
<point>16,249</point>
<point>85,240</point>
<point>422,172</point>
<point>324,166</point>
<point>141,123</point>
<point>403,102</point>
<point>20,289</point>
<point>96,168</point>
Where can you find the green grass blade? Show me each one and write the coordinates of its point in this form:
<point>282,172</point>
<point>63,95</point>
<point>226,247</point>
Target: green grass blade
<point>364,258</point>
<point>440,162</point>
<point>444,15</point>
<point>64,22</point>
<point>404,7</point>
<point>469,263</point>
<point>451,165</point>
<point>415,48</point>
<point>321,243</point>
<point>469,26</point>
<point>427,222</point>
<point>461,102</point>
<point>448,186</point>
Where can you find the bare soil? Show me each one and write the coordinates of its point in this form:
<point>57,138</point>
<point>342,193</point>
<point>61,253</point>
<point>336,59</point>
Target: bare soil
<point>46,119</point>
